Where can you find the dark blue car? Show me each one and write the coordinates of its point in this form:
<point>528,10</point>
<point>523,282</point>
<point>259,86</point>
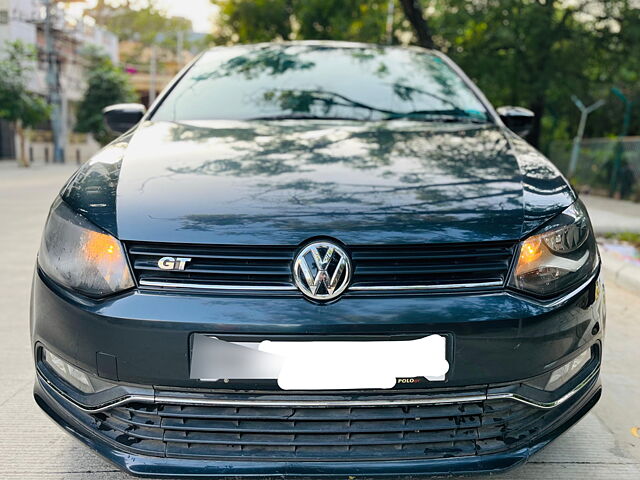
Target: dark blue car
<point>317,260</point>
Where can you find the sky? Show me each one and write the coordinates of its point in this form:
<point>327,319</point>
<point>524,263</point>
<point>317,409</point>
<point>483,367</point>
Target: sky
<point>200,12</point>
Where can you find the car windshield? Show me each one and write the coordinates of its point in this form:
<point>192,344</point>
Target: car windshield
<point>273,82</point>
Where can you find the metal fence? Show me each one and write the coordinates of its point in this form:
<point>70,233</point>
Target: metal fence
<point>606,166</point>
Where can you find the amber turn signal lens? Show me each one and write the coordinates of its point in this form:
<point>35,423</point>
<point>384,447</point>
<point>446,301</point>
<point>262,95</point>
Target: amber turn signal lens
<point>530,252</point>
<point>100,247</point>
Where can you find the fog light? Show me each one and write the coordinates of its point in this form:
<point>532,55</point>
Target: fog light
<point>72,375</point>
<point>562,375</point>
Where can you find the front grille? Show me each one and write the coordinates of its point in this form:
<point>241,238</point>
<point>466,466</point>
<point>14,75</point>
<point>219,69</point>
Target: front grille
<point>230,266</point>
<point>322,433</point>
<point>268,267</point>
<point>407,265</point>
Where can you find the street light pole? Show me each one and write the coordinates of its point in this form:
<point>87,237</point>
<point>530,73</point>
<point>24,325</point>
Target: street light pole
<point>53,84</point>
<point>625,130</point>
<point>577,140</point>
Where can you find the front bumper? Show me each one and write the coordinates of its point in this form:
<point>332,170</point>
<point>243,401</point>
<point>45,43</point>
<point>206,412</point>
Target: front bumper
<point>495,337</point>
<point>498,341</point>
<point>93,429</point>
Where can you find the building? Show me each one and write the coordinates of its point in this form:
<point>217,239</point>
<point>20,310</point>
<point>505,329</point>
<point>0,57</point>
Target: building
<point>150,69</point>
<point>23,20</point>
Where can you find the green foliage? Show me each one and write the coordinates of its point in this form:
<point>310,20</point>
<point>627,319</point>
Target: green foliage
<point>16,103</point>
<point>247,21</point>
<point>359,20</point>
<point>531,53</point>
<point>145,23</point>
<point>250,21</point>
<point>142,22</point>
<point>106,85</point>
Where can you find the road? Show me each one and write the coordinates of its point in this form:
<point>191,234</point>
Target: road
<point>601,446</point>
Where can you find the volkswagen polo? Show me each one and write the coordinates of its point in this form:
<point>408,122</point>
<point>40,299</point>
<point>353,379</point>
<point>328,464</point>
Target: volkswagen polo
<point>317,259</point>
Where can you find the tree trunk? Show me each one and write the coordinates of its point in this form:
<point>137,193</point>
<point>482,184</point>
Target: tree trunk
<point>413,11</point>
<point>23,159</point>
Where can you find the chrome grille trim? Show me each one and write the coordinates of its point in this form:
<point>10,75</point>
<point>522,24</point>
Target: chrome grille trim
<point>417,400</point>
<point>268,288</point>
<point>444,286</point>
<point>204,286</point>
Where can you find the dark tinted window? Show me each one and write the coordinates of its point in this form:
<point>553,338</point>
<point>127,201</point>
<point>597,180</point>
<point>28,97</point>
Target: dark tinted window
<point>363,83</point>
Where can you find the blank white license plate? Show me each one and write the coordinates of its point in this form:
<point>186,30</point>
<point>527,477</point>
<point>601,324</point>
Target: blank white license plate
<point>319,365</point>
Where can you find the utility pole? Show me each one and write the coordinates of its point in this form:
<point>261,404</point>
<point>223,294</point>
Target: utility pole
<point>390,11</point>
<point>179,48</point>
<point>58,127</point>
<point>617,162</point>
<point>153,87</point>
<point>577,140</point>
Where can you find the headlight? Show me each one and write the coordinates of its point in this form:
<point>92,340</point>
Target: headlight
<point>559,257</point>
<point>78,255</point>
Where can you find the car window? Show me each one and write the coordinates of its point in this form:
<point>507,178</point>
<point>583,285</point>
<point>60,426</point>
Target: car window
<point>318,81</point>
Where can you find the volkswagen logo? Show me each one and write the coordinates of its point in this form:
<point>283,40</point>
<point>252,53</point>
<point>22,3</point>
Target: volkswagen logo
<point>322,270</point>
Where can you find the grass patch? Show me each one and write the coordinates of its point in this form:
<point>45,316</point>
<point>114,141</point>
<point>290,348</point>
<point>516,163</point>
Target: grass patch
<point>629,237</point>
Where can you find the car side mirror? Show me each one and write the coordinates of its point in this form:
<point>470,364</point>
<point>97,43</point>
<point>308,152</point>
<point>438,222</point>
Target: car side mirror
<point>122,117</point>
<point>518,119</point>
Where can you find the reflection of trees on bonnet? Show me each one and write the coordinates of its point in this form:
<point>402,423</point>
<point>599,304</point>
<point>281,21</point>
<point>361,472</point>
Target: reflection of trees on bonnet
<point>438,165</point>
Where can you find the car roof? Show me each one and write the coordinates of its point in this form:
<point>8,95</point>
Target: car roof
<point>325,43</point>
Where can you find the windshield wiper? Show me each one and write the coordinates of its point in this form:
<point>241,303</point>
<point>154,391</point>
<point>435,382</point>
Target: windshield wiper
<point>330,100</point>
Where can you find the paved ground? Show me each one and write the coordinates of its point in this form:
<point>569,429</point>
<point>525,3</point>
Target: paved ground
<point>31,447</point>
<point>610,215</point>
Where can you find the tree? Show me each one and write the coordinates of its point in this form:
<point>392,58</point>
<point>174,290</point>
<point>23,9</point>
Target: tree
<point>413,11</point>
<point>106,85</point>
<point>532,53</point>
<point>350,20</point>
<point>245,21</point>
<point>142,22</point>
<point>17,104</point>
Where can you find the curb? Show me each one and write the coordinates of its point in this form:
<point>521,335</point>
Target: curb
<point>625,273</point>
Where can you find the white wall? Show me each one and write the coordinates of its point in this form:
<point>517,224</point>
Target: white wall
<point>20,13</point>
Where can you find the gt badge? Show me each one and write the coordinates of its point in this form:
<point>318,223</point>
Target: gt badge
<point>171,263</point>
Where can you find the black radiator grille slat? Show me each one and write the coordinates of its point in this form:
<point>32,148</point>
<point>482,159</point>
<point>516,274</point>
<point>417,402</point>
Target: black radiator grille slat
<point>313,414</point>
<point>257,426</point>
<point>383,266</point>
<point>323,433</point>
<point>364,270</point>
<point>431,264</point>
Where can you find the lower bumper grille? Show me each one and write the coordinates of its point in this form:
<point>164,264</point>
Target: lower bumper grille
<point>322,433</point>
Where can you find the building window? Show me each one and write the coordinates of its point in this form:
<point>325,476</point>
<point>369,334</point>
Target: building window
<point>4,17</point>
